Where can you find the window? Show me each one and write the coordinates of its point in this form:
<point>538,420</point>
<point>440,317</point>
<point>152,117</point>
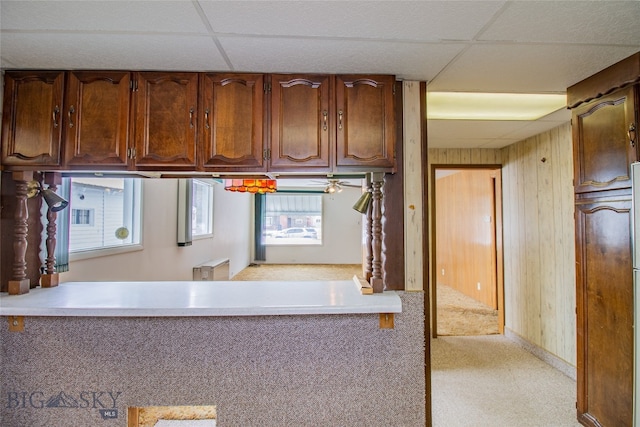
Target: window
<point>202,209</point>
<point>82,216</point>
<point>105,213</point>
<point>292,219</point>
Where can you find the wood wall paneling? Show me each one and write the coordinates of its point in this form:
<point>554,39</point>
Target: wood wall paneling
<point>539,243</point>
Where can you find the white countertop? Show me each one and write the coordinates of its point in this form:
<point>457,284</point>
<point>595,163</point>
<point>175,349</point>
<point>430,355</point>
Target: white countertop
<point>205,298</point>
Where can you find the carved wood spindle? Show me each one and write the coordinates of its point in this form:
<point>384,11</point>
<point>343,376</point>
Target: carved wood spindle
<point>376,226</point>
<point>51,239</point>
<point>50,278</point>
<point>368,239</point>
<point>19,283</point>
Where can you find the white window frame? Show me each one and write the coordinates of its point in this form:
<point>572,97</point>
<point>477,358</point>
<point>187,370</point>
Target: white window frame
<point>133,208</point>
<point>208,186</point>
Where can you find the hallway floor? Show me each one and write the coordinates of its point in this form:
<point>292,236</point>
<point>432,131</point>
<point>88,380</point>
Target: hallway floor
<point>491,381</point>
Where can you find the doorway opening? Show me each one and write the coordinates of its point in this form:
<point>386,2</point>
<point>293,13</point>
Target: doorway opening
<point>467,291</point>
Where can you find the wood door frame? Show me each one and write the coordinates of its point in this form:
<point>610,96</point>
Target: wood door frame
<point>497,207</point>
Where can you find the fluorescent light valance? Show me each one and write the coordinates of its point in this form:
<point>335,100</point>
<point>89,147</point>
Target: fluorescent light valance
<point>492,106</point>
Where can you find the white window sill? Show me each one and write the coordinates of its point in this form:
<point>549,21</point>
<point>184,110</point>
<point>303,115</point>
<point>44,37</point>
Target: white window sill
<point>96,253</point>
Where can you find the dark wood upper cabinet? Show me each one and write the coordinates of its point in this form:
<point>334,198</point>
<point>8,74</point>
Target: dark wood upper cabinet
<point>184,121</point>
<point>301,124</point>
<point>365,122</point>
<point>232,122</point>
<point>603,133</point>
<point>97,107</point>
<point>32,118</point>
<point>165,120</point>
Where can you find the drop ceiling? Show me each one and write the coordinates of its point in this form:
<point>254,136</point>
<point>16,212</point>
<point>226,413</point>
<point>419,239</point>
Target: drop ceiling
<point>461,46</point>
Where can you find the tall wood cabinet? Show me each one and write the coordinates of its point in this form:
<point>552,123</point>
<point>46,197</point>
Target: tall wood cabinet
<point>604,108</point>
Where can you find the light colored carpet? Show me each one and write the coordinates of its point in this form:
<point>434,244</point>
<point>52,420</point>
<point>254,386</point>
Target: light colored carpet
<point>299,272</point>
<point>492,381</point>
<point>461,315</point>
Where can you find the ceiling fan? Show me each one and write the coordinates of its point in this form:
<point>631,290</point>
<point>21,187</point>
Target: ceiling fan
<point>335,185</point>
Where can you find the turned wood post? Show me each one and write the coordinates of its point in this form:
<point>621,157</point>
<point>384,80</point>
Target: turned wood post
<point>19,284</point>
<point>50,277</point>
<point>368,239</point>
<point>376,280</point>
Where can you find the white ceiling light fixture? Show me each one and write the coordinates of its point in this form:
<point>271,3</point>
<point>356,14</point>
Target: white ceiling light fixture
<point>492,106</point>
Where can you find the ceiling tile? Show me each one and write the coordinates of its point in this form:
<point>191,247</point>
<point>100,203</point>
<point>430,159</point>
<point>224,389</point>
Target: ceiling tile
<point>130,16</point>
<point>526,68</point>
<point>598,22</point>
<point>533,128</point>
<point>392,20</point>
<point>415,61</point>
<point>64,51</point>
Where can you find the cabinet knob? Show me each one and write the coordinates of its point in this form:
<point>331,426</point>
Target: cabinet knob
<point>340,119</point>
<point>325,116</point>
<point>191,117</point>
<point>632,134</point>
<point>206,118</point>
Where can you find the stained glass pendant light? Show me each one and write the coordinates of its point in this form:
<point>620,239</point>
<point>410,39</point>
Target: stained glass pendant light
<point>260,186</point>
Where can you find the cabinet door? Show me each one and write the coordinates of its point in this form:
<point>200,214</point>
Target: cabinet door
<point>97,119</point>
<point>31,120</point>
<point>365,121</point>
<point>604,303</point>
<point>165,120</point>
<point>601,142</point>
<point>300,123</point>
<point>232,122</point>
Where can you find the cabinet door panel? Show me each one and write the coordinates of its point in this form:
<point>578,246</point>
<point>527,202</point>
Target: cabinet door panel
<point>97,119</point>
<point>602,148</point>
<point>31,125</point>
<point>604,298</point>
<point>232,124</point>
<point>300,128</point>
<point>365,121</point>
<point>166,120</point>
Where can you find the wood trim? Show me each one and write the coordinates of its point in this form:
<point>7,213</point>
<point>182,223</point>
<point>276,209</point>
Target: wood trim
<point>425,250</point>
<point>498,253</point>
<point>393,253</point>
<point>499,250</point>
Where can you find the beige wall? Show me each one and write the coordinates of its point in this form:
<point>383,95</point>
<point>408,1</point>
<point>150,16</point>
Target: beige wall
<point>538,235</point>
